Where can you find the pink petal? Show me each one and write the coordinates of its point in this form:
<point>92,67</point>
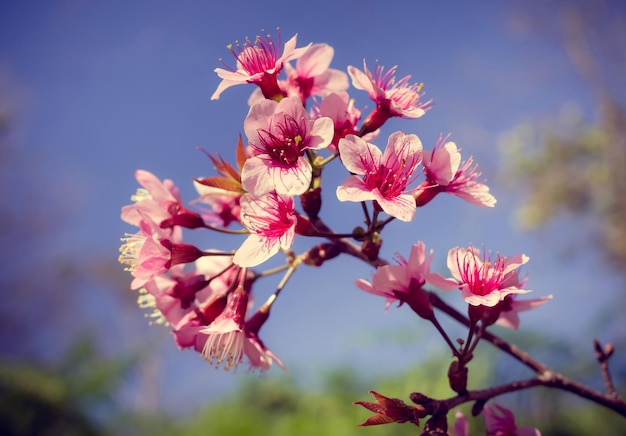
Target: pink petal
<point>290,181</point>
<point>255,250</point>
<point>443,163</point>
<point>315,60</point>
<point>256,177</point>
<point>354,189</point>
<point>402,207</point>
<point>357,155</point>
<point>321,133</point>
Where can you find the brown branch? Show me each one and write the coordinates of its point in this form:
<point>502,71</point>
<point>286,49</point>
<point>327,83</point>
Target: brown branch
<point>547,377</point>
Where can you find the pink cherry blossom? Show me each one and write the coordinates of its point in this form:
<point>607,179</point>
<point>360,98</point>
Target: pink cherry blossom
<point>271,220</point>
<point>228,340</point>
<point>160,202</point>
<point>385,176</point>
<point>511,306</point>
<point>279,135</point>
<point>500,421</point>
<point>445,173</point>
<point>481,279</point>
<point>258,62</point>
<point>145,252</point>
<point>403,282</point>
<point>393,98</point>
<point>224,208</point>
<point>340,108</point>
<point>312,75</point>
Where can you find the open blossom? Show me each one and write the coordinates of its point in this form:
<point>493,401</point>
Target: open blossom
<point>160,202</point>
<point>393,98</point>
<point>258,62</point>
<point>403,282</point>
<point>386,176</point>
<point>339,107</point>
<point>511,306</point>
<point>228,340</point>
<point>312,75</point>
<point>145,252</point>
<point>279,135</point>
<point>271,220</point>
<point>445,173</point>
<point>481,279</point>
<point>500,421</point>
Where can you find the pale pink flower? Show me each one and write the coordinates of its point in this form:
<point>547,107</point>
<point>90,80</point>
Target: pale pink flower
<point>271,220</point>
<point>224,208</point>
<point>279,135</point>
<point>228,339</point>
<point>500,421</point>
<point>340,108</point>
<point>445,173</point>
<point>403,282</point>
<point>171,296</point>
<point>145,253</point>
<point>385,176</point>
<point>160,202</point>
<point>258,62</point>
<point>393,98</point>
<point>481,279</point>
<point>312,75</point>
<point>511,306</point>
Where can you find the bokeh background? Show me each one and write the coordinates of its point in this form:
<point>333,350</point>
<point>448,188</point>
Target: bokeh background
<point>91,91</point>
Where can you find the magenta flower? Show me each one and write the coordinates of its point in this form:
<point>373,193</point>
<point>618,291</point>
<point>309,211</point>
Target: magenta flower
<point>445,173</point>
<point>511,306</point>
<point>500,421</point>
<point>258,62</point>
<point>171,296</point>
<point>271,220</point>
<point>153,199</point>
<point>481,279</point>
<point>145,252</point>
<point>403,282</point>
<point>340,108</point>
<point>228,340</point>
<point>393,98</point>
<point>312,75</point>
<point>160,202</point>
<point>385,176</point>
<point>279,135</point>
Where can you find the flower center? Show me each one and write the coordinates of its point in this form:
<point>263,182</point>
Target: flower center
<point>395,174</point>
<point>256,57</point>
<point>482,277</point>
<point>129,251</point>
<point>285,144</point>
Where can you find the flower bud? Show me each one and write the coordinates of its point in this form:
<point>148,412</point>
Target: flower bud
<point>457,376</point>
<point>311,202</point>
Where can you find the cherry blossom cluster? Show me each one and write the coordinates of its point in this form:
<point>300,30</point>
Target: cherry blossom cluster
<point>302,122</point>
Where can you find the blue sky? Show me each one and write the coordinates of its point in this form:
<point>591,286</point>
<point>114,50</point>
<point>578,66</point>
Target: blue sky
<point>99,89</point>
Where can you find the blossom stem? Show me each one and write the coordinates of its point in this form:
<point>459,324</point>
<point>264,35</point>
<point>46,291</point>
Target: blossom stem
<point>272,271</point>
<point>327,160</point>
<point>227,231</point>
<point>366,213</point>
<point>445,336</point>
<point>547,377</point>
